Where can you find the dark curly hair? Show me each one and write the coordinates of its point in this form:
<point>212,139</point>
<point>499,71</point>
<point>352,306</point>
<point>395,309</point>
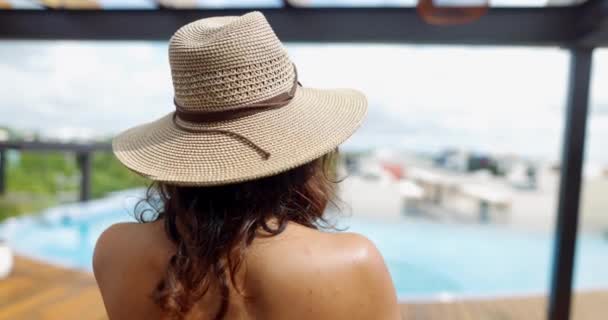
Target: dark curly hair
<point>212,227</point>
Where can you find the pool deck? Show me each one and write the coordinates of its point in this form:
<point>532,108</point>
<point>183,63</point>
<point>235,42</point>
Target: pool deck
<point>38,291</point>
<point>587,306</point>
<point>42,292</point>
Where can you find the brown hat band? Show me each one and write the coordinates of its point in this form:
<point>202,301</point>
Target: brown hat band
<point>234,113</point>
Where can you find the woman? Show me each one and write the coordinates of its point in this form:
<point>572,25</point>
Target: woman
<point>243,170</point>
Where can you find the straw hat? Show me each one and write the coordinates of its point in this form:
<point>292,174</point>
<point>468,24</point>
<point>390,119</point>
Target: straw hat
<point>240,113</point>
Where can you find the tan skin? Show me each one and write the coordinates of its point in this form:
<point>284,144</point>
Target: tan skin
<point>299,274</point>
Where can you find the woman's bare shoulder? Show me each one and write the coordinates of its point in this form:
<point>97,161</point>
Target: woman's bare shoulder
<point>316,247</point>
<point>322,275</point>
<point>129,259</point>
<point>111,243</point>
<point>129,244</point>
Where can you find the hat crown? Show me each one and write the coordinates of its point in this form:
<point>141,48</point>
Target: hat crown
<point>224,62</point>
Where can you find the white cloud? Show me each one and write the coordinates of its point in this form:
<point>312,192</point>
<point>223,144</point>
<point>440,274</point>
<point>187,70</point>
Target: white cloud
<point>505,99</point>
<point>93,86</point>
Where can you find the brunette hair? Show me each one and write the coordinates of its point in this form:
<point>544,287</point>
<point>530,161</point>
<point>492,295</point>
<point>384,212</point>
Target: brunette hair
<point>212,227</point>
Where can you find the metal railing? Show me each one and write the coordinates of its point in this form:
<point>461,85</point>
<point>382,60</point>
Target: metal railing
<point>82,151</point>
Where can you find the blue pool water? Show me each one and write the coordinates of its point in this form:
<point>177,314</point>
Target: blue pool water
<point>424,258</point>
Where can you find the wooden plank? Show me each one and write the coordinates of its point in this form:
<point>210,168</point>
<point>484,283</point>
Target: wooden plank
<point>23,308</point>
<point>39,291</point>
<point>13,287</point>
<point>71,4</point>
<point>587,306</point>
<point>85,304</point>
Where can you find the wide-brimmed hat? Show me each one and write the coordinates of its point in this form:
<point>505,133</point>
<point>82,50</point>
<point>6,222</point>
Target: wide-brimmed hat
<point>240,112</point>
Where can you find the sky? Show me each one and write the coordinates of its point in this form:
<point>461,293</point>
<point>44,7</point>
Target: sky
<point>422,98</point>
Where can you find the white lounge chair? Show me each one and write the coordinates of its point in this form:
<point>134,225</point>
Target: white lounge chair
<point>6,259</point>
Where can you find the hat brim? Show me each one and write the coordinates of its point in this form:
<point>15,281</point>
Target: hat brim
<point>314,123</point>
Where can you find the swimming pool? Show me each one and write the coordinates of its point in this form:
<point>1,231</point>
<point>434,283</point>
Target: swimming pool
<point>425,259</point>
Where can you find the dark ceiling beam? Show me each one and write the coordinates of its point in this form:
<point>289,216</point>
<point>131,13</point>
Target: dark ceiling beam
<point>594,24</point>
<point>501,26</point>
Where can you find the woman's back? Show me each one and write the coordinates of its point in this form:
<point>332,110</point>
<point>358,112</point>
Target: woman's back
<point>301,273</point>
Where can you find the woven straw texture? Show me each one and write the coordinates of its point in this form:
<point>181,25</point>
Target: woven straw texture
<point>222,62</point>
<point>219,64</point>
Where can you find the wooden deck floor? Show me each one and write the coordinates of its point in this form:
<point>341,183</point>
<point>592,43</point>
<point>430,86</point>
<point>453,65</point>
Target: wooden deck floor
<point>587,306</point>
<point>37,291</point>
